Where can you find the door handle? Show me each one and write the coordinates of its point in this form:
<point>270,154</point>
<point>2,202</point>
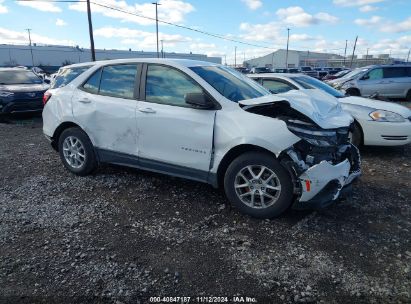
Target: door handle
<point>84,100</point>
<point>147,110</point>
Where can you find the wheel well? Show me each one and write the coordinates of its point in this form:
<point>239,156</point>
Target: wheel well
<point>59,130</point>
<point>354,90</point>
<point>233,154</point>
<point>361,131</point>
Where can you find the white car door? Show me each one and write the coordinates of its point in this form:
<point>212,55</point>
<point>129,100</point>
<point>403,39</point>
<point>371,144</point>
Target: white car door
<point>172,135</point>
<point>105,108</point>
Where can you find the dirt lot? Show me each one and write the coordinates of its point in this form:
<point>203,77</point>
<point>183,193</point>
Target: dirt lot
<point>122,235</point>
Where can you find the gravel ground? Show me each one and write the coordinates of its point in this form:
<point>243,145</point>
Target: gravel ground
<point>123,235</point>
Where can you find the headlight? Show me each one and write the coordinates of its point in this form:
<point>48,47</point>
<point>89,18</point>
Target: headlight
<point>387,116</point>
<point>6,94</point>
<point>316,138</point>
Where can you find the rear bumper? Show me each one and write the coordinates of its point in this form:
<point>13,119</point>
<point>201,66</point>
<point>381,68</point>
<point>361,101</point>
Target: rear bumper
<point>21,106</point>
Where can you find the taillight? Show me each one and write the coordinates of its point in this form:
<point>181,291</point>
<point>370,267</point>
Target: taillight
<point>46,97</point>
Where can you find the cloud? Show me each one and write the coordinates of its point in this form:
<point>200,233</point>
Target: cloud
<point>295,15</point>
<point>171,11</point>
<point>60,22</point>
<point>367,22</point>
<point>260,32</point>
<point>391,27</point>
<point>3,8</point>
<point>13,37</point>
<point>348,3</point>
<point>253,4</point>
<point>41,6</point>
<point>145,39</point>
<point>368,8</point>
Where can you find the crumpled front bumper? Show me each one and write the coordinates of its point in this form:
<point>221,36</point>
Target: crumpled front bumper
<point>324,182</point>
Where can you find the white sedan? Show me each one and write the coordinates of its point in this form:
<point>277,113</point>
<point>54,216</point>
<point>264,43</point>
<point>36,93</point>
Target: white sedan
<point>377,123</point>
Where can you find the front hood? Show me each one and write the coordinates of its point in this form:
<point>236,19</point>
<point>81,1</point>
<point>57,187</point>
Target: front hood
<point>377,105</point>
<point>24,87</point>
<point>322,108</point>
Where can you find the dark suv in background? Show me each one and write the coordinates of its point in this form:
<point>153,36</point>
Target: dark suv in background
<point>21,90</point>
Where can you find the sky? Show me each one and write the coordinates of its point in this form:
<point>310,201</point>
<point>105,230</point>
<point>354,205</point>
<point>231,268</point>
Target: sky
<point>382,26</point>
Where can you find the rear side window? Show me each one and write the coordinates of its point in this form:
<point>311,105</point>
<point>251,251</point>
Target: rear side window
<point>118,81</point>
<point>93,83</point>
<point>395,72</point>
<point>66,75</point>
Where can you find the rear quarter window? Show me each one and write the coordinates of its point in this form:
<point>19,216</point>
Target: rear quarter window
<point>67,75</point>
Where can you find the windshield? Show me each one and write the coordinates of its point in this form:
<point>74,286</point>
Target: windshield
<point>312,83</point>
<point>354,73</point>
<point>19,77</point>
<point>230,83</point>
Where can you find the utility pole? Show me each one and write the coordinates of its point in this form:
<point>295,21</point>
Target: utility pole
<point>353,51</point>
<point>308,57</point>
<point>366,57</point>
<point>235,56</point>
<point>408,56</point>
<point>157,4</point>
<point>31,48</point>
<point>225,59</point>
<point>345,52</point>
<point>286,54</point>
<point>162,49</point>
<point>90,31</point>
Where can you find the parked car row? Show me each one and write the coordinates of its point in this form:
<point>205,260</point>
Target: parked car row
<point>316,72</point>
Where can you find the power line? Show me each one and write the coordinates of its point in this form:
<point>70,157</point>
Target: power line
<point>161,21</point>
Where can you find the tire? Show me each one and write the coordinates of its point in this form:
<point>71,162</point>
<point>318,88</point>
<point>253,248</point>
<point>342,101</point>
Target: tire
<point>77,152</point>
<point>408,97</point>
<point>353,92</point>
<point>256,161</point>
<point>356,135</point>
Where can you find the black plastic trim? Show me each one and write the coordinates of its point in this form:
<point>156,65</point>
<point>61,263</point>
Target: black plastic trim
<point>123,159</point>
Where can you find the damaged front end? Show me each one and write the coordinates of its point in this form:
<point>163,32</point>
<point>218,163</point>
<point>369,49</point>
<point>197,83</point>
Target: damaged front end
<point>323,164</point>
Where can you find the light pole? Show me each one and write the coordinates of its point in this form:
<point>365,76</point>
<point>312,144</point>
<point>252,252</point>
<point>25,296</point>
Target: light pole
<point>286,54</point>
<point>345,51</point>
<point>366,57</point>
<point>162,49</point>
<point>353,51</point>
<point>235,56</point>
<point>90,31</point>
<point>157,4</point>
<point>31,48</point>
<point>408,56</point>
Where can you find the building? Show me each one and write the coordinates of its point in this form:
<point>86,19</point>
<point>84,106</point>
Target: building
<point>295,59</point>
<point>51,57</point>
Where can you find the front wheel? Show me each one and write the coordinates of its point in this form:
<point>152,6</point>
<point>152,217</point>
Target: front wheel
<point>77,152</point>
<point>258,185</point>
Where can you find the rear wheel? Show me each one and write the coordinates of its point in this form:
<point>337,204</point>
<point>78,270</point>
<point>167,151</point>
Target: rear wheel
<point>258,185</point>
<point>353,92</point>
<point>77,152</point>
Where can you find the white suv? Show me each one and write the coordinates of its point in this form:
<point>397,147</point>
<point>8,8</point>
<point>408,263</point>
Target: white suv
<point>204,122</point>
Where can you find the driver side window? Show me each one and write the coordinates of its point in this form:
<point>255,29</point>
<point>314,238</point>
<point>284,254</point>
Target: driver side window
<point>169,86</point>
<point>375,74</point>
<point>276,86</point>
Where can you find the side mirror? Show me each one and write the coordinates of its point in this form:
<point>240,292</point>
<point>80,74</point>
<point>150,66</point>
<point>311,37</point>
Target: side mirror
<point>365,77</point>
<point>199,100</point>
